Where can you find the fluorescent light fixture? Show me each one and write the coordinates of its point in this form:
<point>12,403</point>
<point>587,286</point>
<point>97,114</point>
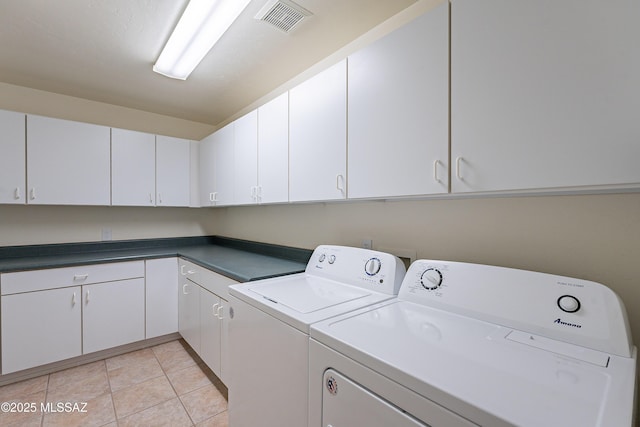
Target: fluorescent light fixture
<point>200,27</point>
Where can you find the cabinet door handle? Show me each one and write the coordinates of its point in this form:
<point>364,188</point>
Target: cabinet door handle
<point>184,289</point>
<point>32,193</point>
<point>220,309</point>
<point>160,198</point>
<point>254,193</point>
<point>182,270</point>
<point>213,309</point>
<point>213,197</point>
<point>435,171</point>
<point>16,194</point>
<point>150,198</point>
<point>339,180</point>
<point>87,297</point>
<point>259,193</point>
<point>73,300</point>
<point>459,160</point>
<point>79,277</point>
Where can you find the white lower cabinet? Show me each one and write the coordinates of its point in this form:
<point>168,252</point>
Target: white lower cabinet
<point>189,314</point>
<point>203,313</point>
<point>161,291</point>
<point>112,314</point>
<point>54,314</point>
<point>210,330</point>
<point>40,328</point>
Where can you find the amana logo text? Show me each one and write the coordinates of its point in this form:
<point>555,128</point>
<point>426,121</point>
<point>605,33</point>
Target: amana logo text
<point>560,322</point>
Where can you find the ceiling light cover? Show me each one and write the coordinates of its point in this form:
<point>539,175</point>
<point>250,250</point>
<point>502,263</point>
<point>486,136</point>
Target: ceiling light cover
<point>200,27</point>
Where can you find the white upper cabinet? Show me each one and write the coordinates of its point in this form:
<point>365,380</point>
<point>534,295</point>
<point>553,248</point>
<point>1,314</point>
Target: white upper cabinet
<point>245,144</point>
<point>133,168</point>
<point>69,162</point>
<point>172,171</point>
<point>399,111</point>
<point>318,132</point>
<point>273,151</point>
<point>12,157</point>
<point>206,175</point>
<point>224,156</point>
<point>545,94</point>
<point>216,167</point>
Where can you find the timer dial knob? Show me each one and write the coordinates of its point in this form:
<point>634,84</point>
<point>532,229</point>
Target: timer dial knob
<point>431,279</point>
<point>372,267</point>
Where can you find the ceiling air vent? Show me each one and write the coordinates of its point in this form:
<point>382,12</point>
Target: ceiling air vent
<point>282,14</point>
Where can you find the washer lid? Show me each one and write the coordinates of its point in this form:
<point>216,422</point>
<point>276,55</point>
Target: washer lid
<point>308,294</point>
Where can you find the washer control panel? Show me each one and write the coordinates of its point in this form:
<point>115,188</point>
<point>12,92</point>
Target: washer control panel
<point>563,308</point>
<point>365,268</point>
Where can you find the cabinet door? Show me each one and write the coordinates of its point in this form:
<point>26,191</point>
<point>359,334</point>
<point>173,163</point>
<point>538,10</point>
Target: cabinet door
<point>112,314</point>
<point>206,175</point>
<point>40,327</point>
<point>172,171</point>
<point>246,159</point>
<point>225,371</point>
<point>273,151</point>
<point>69,162</point>
<point>161,289</point>
<point>189,313</point>
<point>545,94</point>
<point>133,168</point>
<point>224,165</point>
<point>318,132</point>
<point>210,330</point>
<point>399,111</point>
<point>12,157</point>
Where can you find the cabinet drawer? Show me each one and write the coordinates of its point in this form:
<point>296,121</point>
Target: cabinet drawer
<point>37,280</point>
<point>211,281</point>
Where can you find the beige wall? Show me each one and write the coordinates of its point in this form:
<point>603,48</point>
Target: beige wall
<point>30,225</point>
<point>593,237</point>
<point>33,101</point>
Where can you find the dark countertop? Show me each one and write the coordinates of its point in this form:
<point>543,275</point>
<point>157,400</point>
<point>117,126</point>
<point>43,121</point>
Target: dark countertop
<point>241,260</point>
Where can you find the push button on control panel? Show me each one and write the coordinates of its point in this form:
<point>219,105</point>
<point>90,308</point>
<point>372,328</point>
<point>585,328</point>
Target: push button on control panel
<point>569,303</point>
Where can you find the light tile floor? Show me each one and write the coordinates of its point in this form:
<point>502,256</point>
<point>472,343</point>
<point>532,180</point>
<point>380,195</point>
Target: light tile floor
<point>165,385</point>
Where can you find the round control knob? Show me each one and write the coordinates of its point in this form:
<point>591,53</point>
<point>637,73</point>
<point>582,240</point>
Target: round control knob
<point>372,267</point>
<point>332,259</point>
<point>322,257</point>
<point>431,279</point>
<point>569,303</point>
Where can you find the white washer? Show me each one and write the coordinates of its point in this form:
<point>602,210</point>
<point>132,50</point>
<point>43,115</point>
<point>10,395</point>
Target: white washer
<point>467,344</point>
<point>269,329</point>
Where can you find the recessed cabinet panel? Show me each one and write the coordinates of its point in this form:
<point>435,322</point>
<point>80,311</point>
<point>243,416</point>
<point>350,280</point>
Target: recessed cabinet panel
<point>12,157</point>
<point>318,132</point>
<point>133,169</point>
<point>172,171</point>
<point>69,162</point>
<point>399,111</point>
<point>273,151</point>
<point>40,327</point>
<point>545,94</point>
<point>246,159</point>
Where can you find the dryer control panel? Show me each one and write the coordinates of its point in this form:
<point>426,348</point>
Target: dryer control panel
<point>563,308</point>
<point>366,268</point>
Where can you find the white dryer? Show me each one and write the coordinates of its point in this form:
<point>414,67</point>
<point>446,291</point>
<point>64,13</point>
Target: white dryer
<point>269,329</point>
<point>467,344</point>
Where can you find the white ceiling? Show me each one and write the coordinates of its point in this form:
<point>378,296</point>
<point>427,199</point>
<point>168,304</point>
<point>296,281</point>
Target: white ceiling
<point>103,50</point>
